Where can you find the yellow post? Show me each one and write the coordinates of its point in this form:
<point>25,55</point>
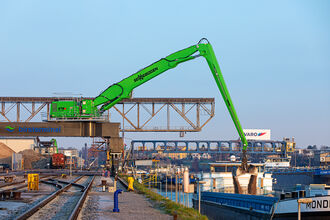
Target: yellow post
<point>29,181</point>
<point>36,181</point>
<point>33,181</point>
<point>130,183</point>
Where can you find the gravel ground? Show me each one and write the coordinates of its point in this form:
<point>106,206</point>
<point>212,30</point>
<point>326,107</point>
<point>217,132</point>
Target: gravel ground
<point>99,205</point>
<point>89,211</point>
<point>8,208</point>
<point>61,207</point>
<point>11,208</point>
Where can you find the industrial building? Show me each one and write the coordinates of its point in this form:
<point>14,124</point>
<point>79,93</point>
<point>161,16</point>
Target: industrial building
<point>18,144</point>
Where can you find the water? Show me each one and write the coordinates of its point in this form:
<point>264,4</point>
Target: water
<point>171,195</point>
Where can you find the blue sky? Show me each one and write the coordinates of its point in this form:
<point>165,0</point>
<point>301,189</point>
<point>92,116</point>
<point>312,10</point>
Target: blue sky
<point>274,55</point>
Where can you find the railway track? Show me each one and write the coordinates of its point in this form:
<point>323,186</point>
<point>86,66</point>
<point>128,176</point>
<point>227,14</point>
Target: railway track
<point>19,184</point>
<point>64,203</point>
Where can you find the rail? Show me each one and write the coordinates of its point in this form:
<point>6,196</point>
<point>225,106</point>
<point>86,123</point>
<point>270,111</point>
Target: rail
<point>81,201</point>
<point>122,181</point>
<point>42,203</point>
<point>20,186</point>
<point>12,183</point>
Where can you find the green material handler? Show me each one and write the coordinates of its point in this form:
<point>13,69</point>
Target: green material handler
<point>85,109</point>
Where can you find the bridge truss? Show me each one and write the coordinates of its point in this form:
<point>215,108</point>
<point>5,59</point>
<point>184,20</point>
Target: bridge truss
<point>145,147</point>
<point>135,115</point>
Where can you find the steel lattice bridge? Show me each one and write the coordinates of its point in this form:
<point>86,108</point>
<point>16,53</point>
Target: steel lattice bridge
<point>135,114</point>
<point>212,147</point>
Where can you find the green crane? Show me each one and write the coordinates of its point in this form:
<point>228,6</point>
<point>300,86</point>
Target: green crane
<point>123,89</point>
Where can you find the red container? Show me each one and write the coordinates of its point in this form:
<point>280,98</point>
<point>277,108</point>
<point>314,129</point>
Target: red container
<point>58,161</point>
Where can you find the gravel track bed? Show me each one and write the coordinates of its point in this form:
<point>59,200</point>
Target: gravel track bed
<point>61,207</point>
<point>28,200</point>
<point>89,210</point>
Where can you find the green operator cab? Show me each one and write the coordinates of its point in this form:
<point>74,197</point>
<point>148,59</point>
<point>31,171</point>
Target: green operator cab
<point>74,109</point>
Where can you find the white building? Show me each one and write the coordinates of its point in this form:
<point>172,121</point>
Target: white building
<point>19,144</point>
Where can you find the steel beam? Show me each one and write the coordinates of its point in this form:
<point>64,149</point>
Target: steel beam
<point>142,117</point>
<point>204,146</point>
<point>59,129</point>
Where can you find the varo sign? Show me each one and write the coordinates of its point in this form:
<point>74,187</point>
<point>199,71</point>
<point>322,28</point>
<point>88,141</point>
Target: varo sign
<point>257,134</point>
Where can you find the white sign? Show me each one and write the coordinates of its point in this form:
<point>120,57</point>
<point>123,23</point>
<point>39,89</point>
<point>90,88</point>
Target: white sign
<point>257,134</point>
<point>67,153</point>
<point>319,204</point>
<point>143,162</point>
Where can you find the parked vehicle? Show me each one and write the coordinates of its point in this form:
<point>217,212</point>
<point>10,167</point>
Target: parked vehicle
<point>58,161</point>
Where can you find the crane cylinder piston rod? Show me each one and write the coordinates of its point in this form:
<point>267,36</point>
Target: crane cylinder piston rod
<point>123,89</point>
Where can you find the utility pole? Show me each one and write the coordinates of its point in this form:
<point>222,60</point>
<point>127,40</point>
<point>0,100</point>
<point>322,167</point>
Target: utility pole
<point>176,187</point>
<point>166,184</point>
<point>179,187</point>
<point>171,187</point>
<point>70,165</point>
<point>199,194</point>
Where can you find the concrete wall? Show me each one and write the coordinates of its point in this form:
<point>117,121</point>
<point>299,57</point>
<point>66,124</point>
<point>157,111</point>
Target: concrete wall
<point>19,144</point>
<point>15,162</point>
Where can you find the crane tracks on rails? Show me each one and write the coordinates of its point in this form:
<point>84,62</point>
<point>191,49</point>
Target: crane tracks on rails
<point>64,203</point>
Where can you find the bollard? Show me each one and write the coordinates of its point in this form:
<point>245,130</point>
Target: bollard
<point>115,200</point>
<point>33,181</point>
<point>115,185</point>
<point>130,183</point>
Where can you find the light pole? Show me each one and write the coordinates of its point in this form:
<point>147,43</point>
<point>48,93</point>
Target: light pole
<point>166,184</point>
<point>303,201</point>
<point>70,165</point>
<point>171,187</point>
<point>176,187</point>
<point>199,194</point>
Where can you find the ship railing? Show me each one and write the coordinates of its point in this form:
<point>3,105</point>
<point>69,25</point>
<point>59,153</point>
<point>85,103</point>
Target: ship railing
<point>101,118</point>
<point>244,190</point>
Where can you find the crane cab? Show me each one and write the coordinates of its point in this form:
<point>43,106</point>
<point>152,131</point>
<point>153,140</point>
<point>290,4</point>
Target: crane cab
<point>73,109</point>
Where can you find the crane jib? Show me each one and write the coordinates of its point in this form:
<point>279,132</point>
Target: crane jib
<point>141,76</point>
<point>112,95</point>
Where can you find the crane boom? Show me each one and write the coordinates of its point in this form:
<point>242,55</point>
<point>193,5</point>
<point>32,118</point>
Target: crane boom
<point>121,90</point>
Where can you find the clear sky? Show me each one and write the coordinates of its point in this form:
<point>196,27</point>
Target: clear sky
<point>274,55</point>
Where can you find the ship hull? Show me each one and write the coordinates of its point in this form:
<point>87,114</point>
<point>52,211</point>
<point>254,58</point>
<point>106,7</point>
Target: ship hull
<point>214,207</point>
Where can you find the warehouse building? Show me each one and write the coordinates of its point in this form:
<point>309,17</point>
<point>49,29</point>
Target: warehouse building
<point>19,144</point>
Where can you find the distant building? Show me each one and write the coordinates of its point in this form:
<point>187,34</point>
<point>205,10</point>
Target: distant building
<point>19,144</point>
<point>72,157</point>
<point>196,156</point>
<point>325,159</point>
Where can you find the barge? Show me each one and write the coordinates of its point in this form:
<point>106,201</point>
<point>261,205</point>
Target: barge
<point>218,200</point>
